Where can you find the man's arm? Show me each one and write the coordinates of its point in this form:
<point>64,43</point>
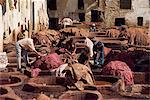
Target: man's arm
<point>39,54</point>
<point>32,48</point>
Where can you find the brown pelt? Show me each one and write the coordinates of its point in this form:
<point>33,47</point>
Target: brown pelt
<point>137,36</point>
<point>113,33</point>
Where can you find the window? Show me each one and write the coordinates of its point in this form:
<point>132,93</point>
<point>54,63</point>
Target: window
<point>82,17</point>
<point>119,21</point>
<point>140,21</point>
<point>81,4</point>
<point>53,23</point>
<point>95,15</point>
<point>125,4</point>
<point>52,4</point>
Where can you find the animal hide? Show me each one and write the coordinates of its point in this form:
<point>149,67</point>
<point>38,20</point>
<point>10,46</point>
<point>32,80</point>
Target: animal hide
<point>46,37</point>
<point>78,73</point>
<point>113,33</point>
<point>51,61</point>
<point>137,36</point>
<point>121,69</point>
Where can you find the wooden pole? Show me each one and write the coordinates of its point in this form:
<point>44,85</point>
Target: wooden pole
<point>1,30</point>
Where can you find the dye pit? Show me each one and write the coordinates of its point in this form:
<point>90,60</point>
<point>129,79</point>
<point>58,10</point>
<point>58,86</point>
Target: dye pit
<point>3,91</point>
<point>11,80</point>
<point>81,95</point>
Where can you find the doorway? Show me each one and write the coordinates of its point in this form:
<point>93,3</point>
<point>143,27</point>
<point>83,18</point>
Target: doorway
<point>53,23</point>
<point>119,21</point>
<point>82,17</point>
<point>140,21</point>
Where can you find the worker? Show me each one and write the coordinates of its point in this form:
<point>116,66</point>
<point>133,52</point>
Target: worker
<point>93,28</point>
<point>98,50</point>
<point>22,46</point>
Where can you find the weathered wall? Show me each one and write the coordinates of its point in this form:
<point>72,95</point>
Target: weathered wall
<point>140,8</point>
<point>69,8</point>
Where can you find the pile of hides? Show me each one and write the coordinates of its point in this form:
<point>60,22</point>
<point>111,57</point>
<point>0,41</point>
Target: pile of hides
<point>121,69</point>
<point>46,37</point>
<point>66,21</point>
<point>73,31</point>
<point>115,33</point>
<point>48,62</point>
<point>78,75</point>
<point>137,36</point>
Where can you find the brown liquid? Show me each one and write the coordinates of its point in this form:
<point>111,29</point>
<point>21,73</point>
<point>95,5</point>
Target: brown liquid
<point>10,80</point>
<point>105,92</point>
<point>102,83</point>
<point>4,81</point>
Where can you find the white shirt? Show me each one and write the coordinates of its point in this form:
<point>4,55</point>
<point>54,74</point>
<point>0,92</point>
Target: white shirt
<point>90,45</point>
<point>27,43</point>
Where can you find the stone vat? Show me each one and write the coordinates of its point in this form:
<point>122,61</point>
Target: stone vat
<point>81,95</point>
<point>106,84</point>
<point>6,79</point>
<point>6,93</point>
<point>46,84</point>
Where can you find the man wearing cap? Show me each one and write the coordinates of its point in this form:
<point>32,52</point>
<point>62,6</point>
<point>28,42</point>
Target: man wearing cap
<point>93,28</point>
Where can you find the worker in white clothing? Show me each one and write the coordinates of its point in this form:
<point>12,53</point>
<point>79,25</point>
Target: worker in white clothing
<point>21,49</point>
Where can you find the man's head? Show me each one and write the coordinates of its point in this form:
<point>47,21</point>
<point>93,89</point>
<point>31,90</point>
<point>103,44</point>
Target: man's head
<point>93,25</point>
<point>99,44</point>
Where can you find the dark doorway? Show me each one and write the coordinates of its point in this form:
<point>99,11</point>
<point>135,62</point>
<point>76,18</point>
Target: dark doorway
<point>53,23</point>
<point>140,21</point>
<point>95,15</point>
<point>52,4</point>
<point>81,4</point>
<point>82,17</point>
<point>119,21</point>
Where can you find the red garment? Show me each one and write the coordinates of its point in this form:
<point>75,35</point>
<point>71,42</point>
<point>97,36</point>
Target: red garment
<point>50,62</point>
<point>121,69</point>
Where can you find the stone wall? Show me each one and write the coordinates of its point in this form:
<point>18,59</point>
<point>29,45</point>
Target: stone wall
<point>139,8</point>
<point>69,8</point>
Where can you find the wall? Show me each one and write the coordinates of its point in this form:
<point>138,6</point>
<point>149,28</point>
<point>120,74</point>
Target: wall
<point>69,8</point>
<point>140,8</point>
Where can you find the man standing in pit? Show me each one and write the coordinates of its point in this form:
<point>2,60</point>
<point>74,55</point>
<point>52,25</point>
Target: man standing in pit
<point>22,47</point>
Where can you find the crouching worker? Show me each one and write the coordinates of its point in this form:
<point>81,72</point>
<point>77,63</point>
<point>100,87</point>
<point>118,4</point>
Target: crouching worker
<point>98,50</point>
<point>21,50</point>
